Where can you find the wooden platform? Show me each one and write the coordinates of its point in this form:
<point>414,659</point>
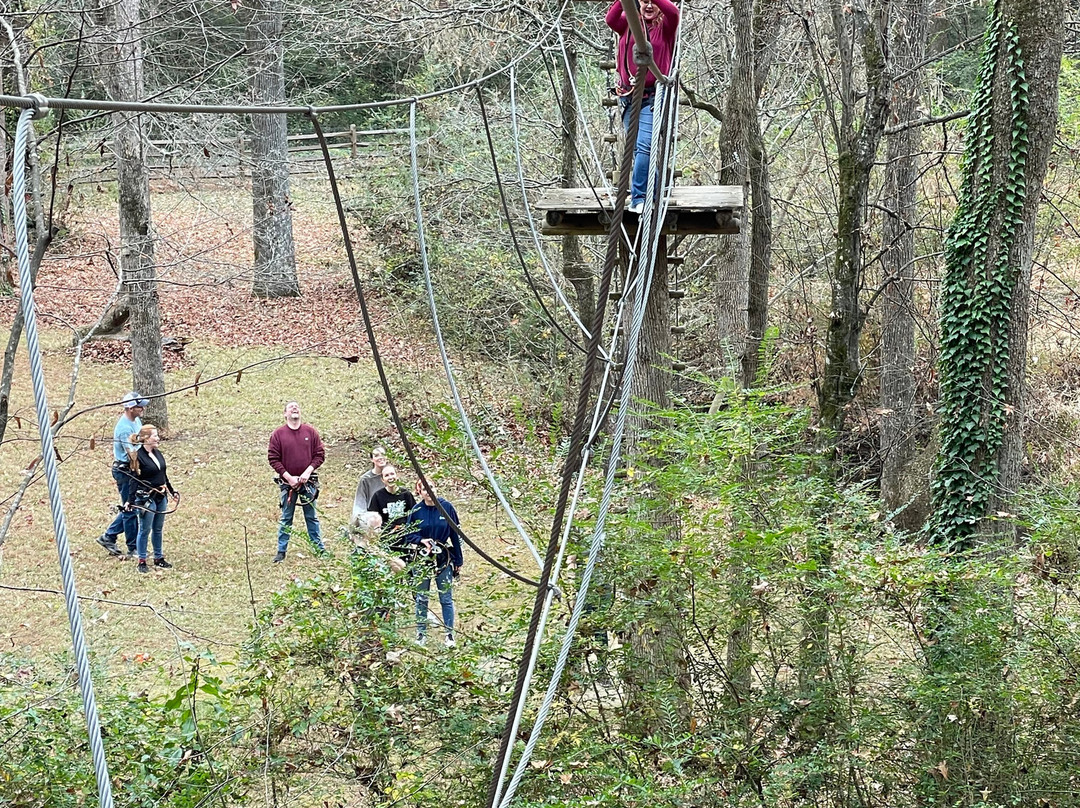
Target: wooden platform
<point>693,210</point>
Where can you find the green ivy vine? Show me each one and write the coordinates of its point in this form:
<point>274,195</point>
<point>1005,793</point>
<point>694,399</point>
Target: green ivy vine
<point>977,298</point>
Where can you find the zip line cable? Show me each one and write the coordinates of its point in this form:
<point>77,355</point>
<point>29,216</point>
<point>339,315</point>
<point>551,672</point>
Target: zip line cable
<point>650,228</point>
<point>48,456</point>
<point>651,220</point>
<point>577,448</point>
<point>599,531</point>
<point>465,423</point>
<point>537,244</point>
<point>383,380</point>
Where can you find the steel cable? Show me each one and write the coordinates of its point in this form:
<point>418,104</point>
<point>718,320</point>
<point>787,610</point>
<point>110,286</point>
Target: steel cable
<point>599,532</point>
<point>649,218</point>
<point>466,425</point>
<point>577,447</point>
<point>49,458</point>
<point>510,224</point>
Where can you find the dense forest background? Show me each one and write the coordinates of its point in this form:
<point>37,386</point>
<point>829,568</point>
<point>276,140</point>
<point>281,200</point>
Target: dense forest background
<point>839,564</point>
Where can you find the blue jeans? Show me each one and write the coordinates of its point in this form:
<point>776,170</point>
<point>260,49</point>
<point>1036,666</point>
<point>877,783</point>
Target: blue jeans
<point>444,582</point>
<point>151,521</point>
<point>288,510</point>
<point>640,181</point>
<point>126,522</point>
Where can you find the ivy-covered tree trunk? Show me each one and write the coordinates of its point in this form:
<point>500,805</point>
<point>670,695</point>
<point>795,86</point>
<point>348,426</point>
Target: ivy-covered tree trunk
<point>899,491</point>
<point>137,267</point>
<point>984,331</point>
<point>986,290</point>
<point>275,256</point>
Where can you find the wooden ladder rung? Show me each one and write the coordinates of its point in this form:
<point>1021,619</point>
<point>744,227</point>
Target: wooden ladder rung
<point>607,64</point>
<point>676,294</point>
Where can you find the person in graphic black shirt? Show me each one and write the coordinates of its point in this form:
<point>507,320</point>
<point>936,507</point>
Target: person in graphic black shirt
<point>151,497</point>
<point>393,505</point>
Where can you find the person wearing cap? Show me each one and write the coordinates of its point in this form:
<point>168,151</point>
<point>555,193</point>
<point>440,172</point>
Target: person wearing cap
<point>295,452</point>
<point>124,450</point>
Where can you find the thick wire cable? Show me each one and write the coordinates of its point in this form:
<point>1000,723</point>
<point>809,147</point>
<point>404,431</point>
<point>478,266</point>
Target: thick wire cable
<point>510,225</point>
<point>537,243</point>
<point>379,367</point>
<point>577,447</point>
<point>650,219</point>
<point>598,538</point>
<point>48,456</point>
<point>466,424</point>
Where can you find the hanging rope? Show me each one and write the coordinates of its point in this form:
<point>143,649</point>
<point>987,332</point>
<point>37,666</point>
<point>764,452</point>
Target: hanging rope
<point>650,223</point>
<point>48,454</point>
<point>380,369</point>
<point>537,243</point>
<point>466,425</point>
<point>599,532</point>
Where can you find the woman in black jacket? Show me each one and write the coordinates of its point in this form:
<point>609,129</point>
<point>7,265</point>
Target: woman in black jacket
<point>152,492</point>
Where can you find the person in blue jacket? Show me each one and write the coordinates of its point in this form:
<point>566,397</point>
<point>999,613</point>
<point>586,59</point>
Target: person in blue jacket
<point>438,556</point>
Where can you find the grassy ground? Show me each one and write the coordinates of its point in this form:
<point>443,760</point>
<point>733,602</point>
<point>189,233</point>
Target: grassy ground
<point>223,537</point>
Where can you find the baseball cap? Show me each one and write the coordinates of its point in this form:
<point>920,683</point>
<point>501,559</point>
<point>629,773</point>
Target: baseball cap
<point>132,400</point>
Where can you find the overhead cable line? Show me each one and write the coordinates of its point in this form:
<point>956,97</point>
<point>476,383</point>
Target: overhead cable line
<point>38,101</point>
<point>510,224</point>
<point>600,529</point>
<point>383,380</point>
<point>537,244</point>
<point>466,425</point>
<point>48,454</point>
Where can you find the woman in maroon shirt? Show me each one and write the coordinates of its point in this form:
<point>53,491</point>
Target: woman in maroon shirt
<point>660,19</point>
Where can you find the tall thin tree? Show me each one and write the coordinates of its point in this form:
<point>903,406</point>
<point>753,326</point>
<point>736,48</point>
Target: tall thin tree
<point>275,254</point>
<point>897,382</point>
<point>138,271</point>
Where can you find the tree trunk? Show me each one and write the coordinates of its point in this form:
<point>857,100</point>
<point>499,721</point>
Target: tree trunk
<point>133,188</point>
<point>899,415</point>
<point>275,257</point>
<point>985,295</point>
<point>733,252</point>
<point>856,152</point>
<point>984,331</point>
<point>575,267</point>
<point>659,682</point>
<point>766,23</point>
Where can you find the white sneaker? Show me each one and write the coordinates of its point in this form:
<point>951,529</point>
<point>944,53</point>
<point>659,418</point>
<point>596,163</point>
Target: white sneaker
<point>449,641</point>
<point>636,207</point>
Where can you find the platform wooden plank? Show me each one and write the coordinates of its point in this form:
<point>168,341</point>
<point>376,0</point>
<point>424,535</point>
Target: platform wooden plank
<point>683,198</point>
<point>676,223</point>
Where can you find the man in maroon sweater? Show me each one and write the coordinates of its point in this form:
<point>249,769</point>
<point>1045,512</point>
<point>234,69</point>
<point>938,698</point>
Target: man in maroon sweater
<point>296,450</point>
